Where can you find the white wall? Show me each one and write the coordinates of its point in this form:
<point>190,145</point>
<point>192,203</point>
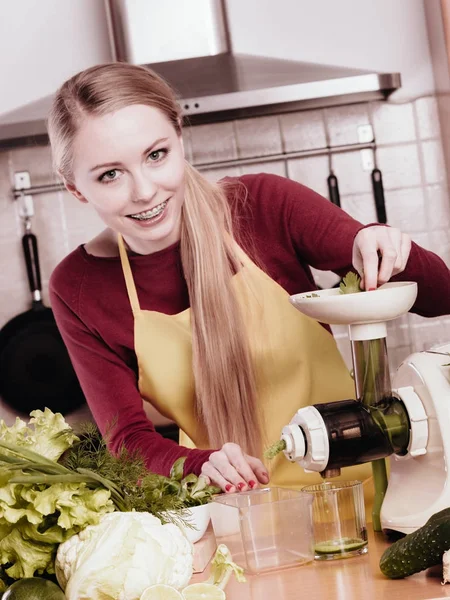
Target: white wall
<point>43,42</point>
<point>386,35</point>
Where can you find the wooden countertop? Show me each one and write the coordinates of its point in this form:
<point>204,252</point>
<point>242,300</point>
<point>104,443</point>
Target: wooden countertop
<point>357,578</point>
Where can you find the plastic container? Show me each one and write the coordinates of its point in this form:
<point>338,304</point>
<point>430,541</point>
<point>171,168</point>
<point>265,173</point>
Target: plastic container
<point>265,529</point>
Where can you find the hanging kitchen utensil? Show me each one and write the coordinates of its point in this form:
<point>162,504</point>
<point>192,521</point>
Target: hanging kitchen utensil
<point>378,194</point>
<point>332,182</point>
<point>35,368</point>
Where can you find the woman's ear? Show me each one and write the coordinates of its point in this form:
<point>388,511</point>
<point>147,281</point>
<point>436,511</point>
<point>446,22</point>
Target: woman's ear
<point>74,191</point>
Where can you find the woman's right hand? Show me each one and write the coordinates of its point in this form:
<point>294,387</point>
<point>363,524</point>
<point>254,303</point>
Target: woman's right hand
<point>234,471</point>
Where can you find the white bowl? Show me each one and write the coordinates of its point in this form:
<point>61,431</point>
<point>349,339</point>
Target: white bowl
<point>387,302</point>
<point>198,517</point>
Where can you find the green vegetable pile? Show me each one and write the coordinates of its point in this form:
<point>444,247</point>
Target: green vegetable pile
<point>53,484</point>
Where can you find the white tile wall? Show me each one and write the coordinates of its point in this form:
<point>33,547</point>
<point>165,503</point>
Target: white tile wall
<point>312,172</point>
<point>303,130</point>
<point>213,143</point>
<point>433,162</point>
<point>409,155</point>
<point>342,123</point>
<point>258,137</point>
<point>427,116</point>
<point>400,166</point>
<point>393,123</point>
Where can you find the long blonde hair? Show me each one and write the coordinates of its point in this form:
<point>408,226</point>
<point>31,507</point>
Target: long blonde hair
<point>226,395</point>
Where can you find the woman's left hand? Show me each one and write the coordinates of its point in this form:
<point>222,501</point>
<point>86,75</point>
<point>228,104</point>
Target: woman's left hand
<point>394,248</point>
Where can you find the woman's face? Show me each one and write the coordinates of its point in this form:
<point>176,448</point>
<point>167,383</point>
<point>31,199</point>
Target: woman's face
<point>129,165</point>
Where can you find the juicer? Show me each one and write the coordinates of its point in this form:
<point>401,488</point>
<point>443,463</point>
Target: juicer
<point>408,421</point>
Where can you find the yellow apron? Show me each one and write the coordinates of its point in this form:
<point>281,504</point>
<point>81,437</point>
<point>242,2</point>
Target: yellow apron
<point>297,364</point>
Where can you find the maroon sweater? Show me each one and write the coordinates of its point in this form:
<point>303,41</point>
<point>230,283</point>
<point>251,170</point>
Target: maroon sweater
<point>289,226</point>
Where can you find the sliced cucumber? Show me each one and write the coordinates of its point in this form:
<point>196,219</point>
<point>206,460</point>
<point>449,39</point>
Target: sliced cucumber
<point>339,546</point>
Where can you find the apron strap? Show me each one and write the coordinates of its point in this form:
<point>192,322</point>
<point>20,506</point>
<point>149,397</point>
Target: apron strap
<point>129,280</point>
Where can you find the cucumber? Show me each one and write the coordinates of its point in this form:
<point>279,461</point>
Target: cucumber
<point>33,588</point>
<point>419,550</point>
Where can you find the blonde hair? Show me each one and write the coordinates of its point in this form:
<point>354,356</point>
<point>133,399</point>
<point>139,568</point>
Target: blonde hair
<point>226,394</point>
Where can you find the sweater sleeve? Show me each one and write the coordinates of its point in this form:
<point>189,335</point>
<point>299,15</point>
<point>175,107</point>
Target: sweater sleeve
<point>110,388</point>
<point>323,236</point>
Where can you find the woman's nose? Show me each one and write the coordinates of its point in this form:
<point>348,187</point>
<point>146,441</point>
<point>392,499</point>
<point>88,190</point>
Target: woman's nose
<point>145,188</point>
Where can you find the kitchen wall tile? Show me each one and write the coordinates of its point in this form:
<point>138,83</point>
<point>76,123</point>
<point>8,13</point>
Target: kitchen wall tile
<point>438,207</point>
<point>216,174</point>
<point>400,166</point>
<point>393,123</point>
<point>427,118</point>
<point>213,143</point>
<point>352,178</point>
<point>361,207</point>
<point>440,244</point>
<point>398,332</point>
<point>422,238</point>
<point>274,167</point>
<point>5,181</point>
<point>10,223</point>
<point>325,279</point>
<point>433,162</point>
<point>397,356</point>
<point>49,227</point>
<point>303,131</point>
<point>79,218</point>
<point>311,171</point>
<point>258,137</point>
<point>406,209</point>
<point>187,141</point>
<point>37,160</point>
<point>342,123</point>
<point>428,334</point>
<point>16,297</point>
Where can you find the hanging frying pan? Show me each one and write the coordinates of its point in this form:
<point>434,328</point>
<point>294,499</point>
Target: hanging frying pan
<point>35,368</point>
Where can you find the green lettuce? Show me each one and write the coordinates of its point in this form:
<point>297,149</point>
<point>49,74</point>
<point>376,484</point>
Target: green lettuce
<point>36,517</point>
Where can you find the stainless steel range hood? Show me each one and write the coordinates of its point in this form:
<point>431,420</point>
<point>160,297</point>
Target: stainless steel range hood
<point>190,47</point>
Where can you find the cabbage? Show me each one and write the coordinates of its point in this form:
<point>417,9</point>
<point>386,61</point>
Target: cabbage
<point>122,556</point>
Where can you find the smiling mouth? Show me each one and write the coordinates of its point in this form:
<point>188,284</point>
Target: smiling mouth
<point>149,214</point>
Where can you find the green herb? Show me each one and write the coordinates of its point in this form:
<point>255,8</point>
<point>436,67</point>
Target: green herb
<point>350,284</point>
<point>142,490</point>
<point>275,449</point>
<point>44,502</point>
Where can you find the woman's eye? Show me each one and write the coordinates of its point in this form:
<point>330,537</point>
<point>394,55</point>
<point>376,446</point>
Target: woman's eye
<point>109,175</point>
<point>157,155</point>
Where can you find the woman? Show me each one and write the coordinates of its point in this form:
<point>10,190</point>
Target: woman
<point>187,288</point>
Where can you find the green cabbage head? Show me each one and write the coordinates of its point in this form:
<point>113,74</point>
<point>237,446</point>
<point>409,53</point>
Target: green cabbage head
<point>121,556</point>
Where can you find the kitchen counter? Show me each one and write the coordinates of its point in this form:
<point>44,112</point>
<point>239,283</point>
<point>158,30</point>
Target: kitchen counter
<point>357,578</point>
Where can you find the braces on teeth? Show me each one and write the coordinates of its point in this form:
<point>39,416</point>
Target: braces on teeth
<point>150,213</point>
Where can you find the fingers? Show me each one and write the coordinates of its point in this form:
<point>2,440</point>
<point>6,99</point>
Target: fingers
<point>391,244</point>
<point>216,478</point>
<point>365,258</point>
<point>232,470</point>
<point>258,468</point>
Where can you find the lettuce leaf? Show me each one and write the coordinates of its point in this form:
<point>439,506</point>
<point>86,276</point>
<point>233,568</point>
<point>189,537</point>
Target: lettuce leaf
<point>46,433</point>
